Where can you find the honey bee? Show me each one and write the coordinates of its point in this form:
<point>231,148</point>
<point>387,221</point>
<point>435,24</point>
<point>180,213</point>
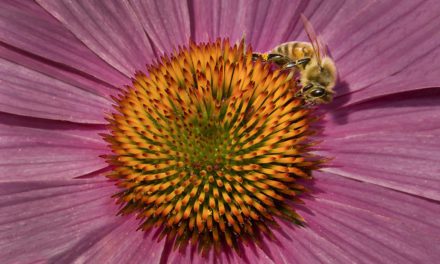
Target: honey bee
<point>317,71</point>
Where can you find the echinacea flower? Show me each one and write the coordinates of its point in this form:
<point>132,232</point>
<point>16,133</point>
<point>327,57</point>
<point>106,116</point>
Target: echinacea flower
<point>73,80</point>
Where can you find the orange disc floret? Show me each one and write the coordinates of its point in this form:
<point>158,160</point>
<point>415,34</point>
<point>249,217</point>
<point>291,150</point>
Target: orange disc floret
<point>209,146</point>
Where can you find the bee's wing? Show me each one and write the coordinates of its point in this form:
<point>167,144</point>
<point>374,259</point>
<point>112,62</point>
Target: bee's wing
<point>322,47</point>
<point>317,43</point>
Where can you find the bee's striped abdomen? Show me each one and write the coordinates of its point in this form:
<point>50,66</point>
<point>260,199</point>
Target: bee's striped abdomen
<point>294,50</point>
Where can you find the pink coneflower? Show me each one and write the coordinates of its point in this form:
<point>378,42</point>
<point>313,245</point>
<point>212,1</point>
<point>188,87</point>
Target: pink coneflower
<point>85,125</point>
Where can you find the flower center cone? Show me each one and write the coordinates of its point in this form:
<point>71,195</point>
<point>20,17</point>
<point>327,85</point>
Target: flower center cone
<point>209,147</point>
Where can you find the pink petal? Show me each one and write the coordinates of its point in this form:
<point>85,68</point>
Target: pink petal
<point>389,47</point>
<point>110,29</point>
<point>30,93</point>
<point>327,17</point>
<point>121,244</point>
<point>41,35</point>
<point>391,142</point>
<point>393,160</point>
<point>214,19</point>
<point>280,22</point>
<point>350,222</point>
<point>166,23</point>
<point>58,71</point>
<point>266,24</point>
<point>41,220</point>
<point>32,150</point>
<point>264,20</point>
<point>253,19</point>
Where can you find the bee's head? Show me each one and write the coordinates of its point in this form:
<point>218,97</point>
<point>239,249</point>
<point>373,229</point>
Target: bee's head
<point>318,81</point>
<point>324,74</point>
<point>315,93</point>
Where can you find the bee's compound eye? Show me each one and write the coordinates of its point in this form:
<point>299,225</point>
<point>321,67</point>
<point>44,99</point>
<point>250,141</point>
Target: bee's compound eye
<point>318,92</point>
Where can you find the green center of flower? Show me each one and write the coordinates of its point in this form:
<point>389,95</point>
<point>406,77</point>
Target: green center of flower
<point>209,146</point>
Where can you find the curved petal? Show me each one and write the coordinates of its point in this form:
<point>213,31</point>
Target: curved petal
<point>58,71</point>
<point>389,47</point>
<point>253,19</point>
<point>264,23</point>
<point>166,23</point>
<point>269,22</point>
<point>391,142</point>
<point>39,220</point>
<point>121,244</point>
<point>324,15</point>
<point>31,93</point>
<point>356,222</point>
<point>33,150</point>
<point>109,28</point>
<point>43,36</point>
<point>215,19</point>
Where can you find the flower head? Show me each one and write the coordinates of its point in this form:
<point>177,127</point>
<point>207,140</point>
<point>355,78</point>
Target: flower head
<point>209,146</point>
<point>63,69</point>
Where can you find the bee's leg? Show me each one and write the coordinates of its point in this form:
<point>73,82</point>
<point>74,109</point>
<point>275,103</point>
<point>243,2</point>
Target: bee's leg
<point>293,64</point>
<point>303,89</point>
<point>256,56</point>
<point>308,86</point>
<point>276,58</point>
<point>264,57</point>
